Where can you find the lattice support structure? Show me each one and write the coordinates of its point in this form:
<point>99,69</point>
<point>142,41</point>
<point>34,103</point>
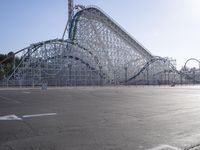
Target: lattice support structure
<point>114,48</point>
<point>98,52</point>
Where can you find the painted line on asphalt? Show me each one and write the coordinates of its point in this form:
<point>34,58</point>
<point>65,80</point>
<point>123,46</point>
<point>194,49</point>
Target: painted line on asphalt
<point>15,117</point>
<point>163,147</point>
<point>39,115</point>
<point>8,100</point>
<point>10,117</point>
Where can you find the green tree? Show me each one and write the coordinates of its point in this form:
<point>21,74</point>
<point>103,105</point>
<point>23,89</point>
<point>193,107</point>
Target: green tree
<point>6,67</point>
<point>2,73</point>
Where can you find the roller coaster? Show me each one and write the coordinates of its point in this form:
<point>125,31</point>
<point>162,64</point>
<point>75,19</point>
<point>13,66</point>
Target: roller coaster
<point>98,51</point>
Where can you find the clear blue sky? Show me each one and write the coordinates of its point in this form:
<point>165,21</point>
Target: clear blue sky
<point>164,27</point>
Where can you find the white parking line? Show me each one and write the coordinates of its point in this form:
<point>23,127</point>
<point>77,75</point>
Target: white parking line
<point>10,117</point>
<point>38,115</point>
<point>14,117</point>
<point>164,147</point>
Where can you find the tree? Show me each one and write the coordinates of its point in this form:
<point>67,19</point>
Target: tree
<point>2,73</point>
<point>6,67</point>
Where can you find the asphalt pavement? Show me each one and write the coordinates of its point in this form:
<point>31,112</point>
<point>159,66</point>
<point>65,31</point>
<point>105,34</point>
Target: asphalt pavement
<point>100,118</point>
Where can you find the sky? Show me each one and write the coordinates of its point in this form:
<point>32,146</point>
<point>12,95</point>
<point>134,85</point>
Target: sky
<point>167,28</point>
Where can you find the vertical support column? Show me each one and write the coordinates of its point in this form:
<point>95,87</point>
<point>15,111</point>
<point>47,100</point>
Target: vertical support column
<point>115,83</point>
<point>198,75</point>
<point>70,11</point>
<point>70,74</point>
<point>14,65</point>
<point>126,75</point>
<point>33,84</point>
<point>154,79</point>
<point>165,71</point>
<point>147,76</point>
<point>199,66</point>
<point>7,83</point>
<point>100,72</point>
<point>90,77</point>
<point>193,74</point>
<point>76,74</point>
<point>181,76</point>
<point>168,78</point>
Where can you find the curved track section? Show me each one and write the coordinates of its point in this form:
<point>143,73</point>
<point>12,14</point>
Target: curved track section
<point>57,62</point>
<point>191,59</point>
<point>161,71</point>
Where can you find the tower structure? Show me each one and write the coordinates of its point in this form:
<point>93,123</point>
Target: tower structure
<point>70,10</point>
<point>70,15</point>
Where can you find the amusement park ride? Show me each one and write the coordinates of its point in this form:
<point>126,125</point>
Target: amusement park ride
<point>97,51</point>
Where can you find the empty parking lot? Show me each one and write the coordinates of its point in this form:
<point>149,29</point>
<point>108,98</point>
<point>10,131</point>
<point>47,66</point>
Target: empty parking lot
<point>97,118</point>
